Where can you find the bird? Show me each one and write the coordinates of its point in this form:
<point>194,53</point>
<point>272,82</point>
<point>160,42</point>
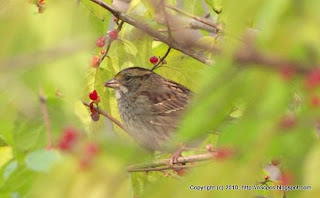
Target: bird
<point>150,106</point>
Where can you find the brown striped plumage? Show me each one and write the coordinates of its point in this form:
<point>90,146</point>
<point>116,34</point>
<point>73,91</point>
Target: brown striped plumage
<point>150,106</point>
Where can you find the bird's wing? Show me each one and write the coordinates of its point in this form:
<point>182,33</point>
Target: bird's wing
<point>169,101</point>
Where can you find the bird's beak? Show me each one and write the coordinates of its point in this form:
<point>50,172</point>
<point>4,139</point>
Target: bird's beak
<point>113,83</point>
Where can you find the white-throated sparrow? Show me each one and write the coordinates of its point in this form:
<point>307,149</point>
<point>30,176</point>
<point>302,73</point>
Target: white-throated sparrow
<point>150,106</point>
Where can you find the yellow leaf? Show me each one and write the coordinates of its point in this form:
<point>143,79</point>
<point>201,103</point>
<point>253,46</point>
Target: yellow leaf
<point>6,155</point>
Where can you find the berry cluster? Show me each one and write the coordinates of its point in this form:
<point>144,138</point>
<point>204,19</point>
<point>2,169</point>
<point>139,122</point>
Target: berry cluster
<point>101,42</point>
<point>311,82</point>
<point>95,100</point>
<point>70,142</point>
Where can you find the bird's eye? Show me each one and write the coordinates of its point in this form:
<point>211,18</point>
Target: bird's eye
<point>127,78</point>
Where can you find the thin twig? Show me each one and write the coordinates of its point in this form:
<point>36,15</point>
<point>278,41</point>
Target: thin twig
<point>109,43</point>
<point>166,18</point>
<point>197,25</point>
<point>44,108</point>
<point>120,26</point>
<point>250,55</point>
<point>106,52</point>
<point>173,29</point>
<point>154,33</point>
<point>180,160</point>
<point>111,118</point>
<point>218,27</point>
<point>161,59</point>
<point>176,167</point>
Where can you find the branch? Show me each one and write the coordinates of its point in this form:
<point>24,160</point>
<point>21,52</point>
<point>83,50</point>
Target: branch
<point>197,25</point>
<point>105,114</point>
<point>217,27</point>
<point>165,14</point>
<point>250,55</point>
<point>244,56</point>
<point>156,165</point>
<point>177,167</point>
<point>154,33</point>
<point>44,108</point>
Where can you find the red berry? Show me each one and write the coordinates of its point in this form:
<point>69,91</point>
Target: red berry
<point>153,59</point>
<point>224,153</point>
<point>95,61</point>
<point>64,146</point>
<point>315,101</point>
<point>266,177</point>
<point>101,42</point>
<point>287,72</point>
<point>286,178</point>
<point>93,95</point>
<point>113,34</point>
<point>91,149</point>
<point>70,135</point>
<point>92,108</point>
<point>287,121</point>
<point>95,116</point>
<point>68,139</point>
<point>313,78</point>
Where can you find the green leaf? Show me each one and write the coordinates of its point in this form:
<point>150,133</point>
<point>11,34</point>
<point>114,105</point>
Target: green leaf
<point>41,160</point>
<point>9,169</point>
<point>129,47</point>
<point>216,5</point>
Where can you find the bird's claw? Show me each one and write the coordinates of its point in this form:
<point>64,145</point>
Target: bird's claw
<point>175,156</point>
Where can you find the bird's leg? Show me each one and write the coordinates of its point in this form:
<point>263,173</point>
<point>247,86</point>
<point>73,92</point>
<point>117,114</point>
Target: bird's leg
<point>176,155</point>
